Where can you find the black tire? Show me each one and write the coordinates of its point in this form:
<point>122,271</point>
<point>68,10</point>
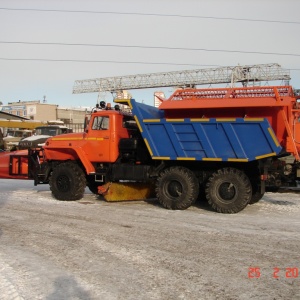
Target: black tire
<point>256,194</point>
<point>177,188</point>
<point>67,181</point>
<point>228,191</point>
<point>256,197</point>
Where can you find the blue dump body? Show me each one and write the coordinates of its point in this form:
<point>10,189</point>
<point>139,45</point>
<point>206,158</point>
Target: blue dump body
<point>199,139</point>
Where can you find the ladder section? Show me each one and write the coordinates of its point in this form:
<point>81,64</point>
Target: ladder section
<point>186,78</point>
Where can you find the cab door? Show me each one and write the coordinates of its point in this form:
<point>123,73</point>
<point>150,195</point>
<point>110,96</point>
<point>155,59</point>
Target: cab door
<point>98,139</point>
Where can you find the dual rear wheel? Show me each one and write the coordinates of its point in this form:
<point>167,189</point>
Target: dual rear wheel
<point>228,190</point>
<point>177,188</point>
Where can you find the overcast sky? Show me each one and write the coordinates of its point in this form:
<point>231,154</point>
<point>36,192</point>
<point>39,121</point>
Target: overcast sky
<point>30,72</point>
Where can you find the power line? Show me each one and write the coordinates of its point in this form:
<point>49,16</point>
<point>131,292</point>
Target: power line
<point>101,61</point>
<point>149,14</point>
<point>151,47</point>
<point>114,62</point>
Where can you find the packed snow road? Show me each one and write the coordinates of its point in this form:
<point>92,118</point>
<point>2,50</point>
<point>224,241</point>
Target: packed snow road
<point>91,249</point>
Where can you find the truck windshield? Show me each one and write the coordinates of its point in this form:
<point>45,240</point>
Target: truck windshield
<point>100,123</point>
<point>46,131</point>
<point>14,133</point>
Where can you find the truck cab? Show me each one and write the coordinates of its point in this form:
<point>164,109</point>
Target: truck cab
<point>99,142</point>
<point>41,134</point>
<point>14,136</point>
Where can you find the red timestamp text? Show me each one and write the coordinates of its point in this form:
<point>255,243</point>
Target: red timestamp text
<point>290,272</point>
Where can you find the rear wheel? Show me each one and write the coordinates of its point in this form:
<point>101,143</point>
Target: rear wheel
<point>177,188</point>
<point>228,190</point>
<point>67,181</point>
<point>256,193</point>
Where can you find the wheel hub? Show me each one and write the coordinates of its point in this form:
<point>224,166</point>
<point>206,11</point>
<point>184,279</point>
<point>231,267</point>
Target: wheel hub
<point>227,190</point>
<point>63,183</point>
<point>174,188</point>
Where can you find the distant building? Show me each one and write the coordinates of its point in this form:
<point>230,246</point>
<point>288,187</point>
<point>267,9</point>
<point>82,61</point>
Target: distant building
<point>71,115</point>
<point>123,95</point>
<point>7,116</point>
<point>35,110</point>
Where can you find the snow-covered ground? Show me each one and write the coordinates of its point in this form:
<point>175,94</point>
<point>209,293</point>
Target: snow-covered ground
<point>91,249</point>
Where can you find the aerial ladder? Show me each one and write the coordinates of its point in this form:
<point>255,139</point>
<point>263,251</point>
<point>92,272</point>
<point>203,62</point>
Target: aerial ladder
<point>246,75</point>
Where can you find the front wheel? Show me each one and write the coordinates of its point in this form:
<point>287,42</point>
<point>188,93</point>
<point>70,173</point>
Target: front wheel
<point>228,191</point>
<point>177,188</point>
<point>67,181</point>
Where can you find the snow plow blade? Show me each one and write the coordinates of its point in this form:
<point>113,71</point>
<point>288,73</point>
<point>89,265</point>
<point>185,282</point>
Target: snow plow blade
<point>14,165</point>
<point>126,191</point>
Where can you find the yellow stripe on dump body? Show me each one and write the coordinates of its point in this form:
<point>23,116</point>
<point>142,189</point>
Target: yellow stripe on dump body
<point>273,136</point>
<point>211,159</point>
<point>253,119</point>
<point>200,120</point>
<point>148,146</point>
<point>238,159</point>
<point>226,119</point>
<point>186,158</point>
<point>151,120</point>
<point>175,120</point>
<point>265,155</point>
<point>138,124</point>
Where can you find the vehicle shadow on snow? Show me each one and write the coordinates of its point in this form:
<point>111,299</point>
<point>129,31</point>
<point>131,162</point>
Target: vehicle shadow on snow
<point>200,203</point>
<point>278,202</point>
<point>66,287</point>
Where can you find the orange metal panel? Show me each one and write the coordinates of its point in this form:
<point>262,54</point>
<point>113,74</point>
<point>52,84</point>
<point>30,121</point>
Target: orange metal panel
<point>19,165</point>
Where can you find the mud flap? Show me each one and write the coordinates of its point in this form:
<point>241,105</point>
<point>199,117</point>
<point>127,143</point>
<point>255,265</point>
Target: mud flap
<point>126,191</point>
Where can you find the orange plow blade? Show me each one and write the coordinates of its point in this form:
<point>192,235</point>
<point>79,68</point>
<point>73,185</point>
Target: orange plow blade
<point>14,165</point>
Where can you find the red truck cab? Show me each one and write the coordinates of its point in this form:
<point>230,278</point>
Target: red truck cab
<point>99,142</point>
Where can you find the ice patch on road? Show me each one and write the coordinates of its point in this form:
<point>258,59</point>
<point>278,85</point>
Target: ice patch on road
<point>280,202</point>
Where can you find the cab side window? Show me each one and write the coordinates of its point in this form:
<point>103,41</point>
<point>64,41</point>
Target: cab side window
<point>100,123</point>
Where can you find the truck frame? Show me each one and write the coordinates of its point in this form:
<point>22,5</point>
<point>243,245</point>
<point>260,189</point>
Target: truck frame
<point>225,145</point>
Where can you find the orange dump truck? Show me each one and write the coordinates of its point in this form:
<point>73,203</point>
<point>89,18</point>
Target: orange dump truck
<point>228,145</point>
